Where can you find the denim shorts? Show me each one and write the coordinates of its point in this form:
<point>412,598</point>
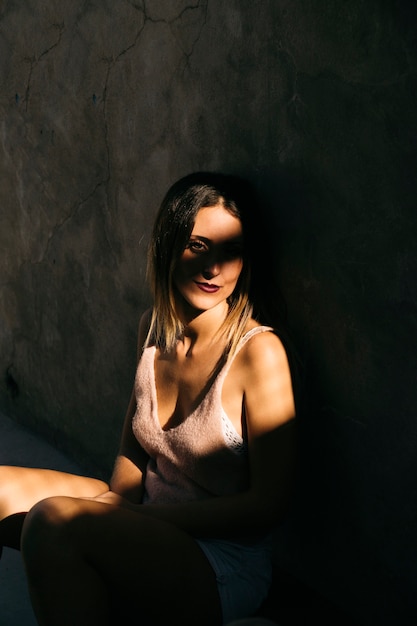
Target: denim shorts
<point>243,573</point>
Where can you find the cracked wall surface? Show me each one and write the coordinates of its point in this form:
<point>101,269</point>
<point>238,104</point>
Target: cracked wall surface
<point>102,106</point>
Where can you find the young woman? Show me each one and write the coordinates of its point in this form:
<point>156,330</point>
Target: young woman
<point>181,535</point>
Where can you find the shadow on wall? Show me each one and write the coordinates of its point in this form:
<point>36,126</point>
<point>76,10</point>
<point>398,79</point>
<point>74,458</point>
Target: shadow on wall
<point>352,531</point>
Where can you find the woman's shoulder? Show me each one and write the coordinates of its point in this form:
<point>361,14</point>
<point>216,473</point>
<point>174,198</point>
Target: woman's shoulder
<point>263,349</point>
<point>266,379</point>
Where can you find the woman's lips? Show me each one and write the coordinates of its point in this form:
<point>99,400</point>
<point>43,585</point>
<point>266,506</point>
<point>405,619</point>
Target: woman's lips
<point>207,287</point>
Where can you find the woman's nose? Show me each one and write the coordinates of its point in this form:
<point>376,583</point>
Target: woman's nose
<point>210,270</point>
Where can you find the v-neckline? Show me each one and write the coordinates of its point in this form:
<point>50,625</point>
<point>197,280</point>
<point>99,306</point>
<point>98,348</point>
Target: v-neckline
<point>211,385</point>
<point>203,397</point>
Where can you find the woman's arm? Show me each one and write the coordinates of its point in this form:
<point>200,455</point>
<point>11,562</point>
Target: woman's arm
<point>130,463</point>
<point>270,410</point>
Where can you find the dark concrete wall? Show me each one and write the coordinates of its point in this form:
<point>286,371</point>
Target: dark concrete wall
<point>103,105</point>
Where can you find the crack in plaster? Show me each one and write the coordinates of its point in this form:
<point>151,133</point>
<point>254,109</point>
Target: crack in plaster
<point>111,63</point>
<point>34,61</point>
<point>136,6</point>
<point>36,332</point>
<point>57,228</point>
<point>198,35</point>
<point>174,19</point>
<point>170,22</point>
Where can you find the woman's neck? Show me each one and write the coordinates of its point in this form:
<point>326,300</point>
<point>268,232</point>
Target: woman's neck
<point>201,328</point>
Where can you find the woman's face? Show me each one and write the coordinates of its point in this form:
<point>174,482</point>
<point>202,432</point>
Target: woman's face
<point>209,267</point>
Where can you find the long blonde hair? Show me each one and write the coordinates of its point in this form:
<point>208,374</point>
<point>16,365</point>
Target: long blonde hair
<point>172,229</point>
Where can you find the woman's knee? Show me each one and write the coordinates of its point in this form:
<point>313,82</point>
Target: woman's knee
<point>47,527</point>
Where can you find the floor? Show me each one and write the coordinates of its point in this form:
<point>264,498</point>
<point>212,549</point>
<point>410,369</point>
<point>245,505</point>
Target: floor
<point>18,446</point>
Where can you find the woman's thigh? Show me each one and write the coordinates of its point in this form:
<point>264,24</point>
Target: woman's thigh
<point>22,487</point>
<point>150,567</point>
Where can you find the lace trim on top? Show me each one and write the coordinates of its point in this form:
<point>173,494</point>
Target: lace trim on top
<point>231,437</point>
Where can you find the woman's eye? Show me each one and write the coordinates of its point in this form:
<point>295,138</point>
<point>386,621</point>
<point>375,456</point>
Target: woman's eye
<point>197,246</point>
<point>233,252</point>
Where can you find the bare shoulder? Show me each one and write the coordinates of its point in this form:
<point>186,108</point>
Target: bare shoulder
<point>264,351</point>
<point>267,382</point>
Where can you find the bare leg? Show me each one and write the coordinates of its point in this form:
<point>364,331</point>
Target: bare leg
<point>22,487</point>
<point>90,563</point>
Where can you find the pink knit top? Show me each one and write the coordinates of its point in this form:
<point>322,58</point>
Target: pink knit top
<point>203,456</point>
